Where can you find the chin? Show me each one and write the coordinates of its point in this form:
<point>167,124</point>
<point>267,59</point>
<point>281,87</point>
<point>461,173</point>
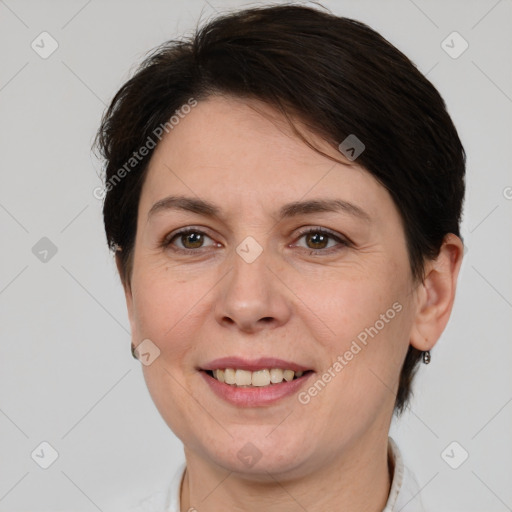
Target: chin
<point>261,453</point>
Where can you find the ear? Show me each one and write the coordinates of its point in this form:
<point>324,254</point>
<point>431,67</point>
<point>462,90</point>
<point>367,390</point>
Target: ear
<point>127,289</point>
<point>436,294</point>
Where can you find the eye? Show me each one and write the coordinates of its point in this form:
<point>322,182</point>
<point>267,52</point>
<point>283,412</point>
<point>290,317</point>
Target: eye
<point>318,240</point>
<point>187,240</point>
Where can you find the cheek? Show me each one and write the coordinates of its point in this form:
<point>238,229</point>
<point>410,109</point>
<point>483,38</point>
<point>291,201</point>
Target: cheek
<point>369,319</point>
<point>169,309</point>
<point>348,304</point>
<point>365,357</point>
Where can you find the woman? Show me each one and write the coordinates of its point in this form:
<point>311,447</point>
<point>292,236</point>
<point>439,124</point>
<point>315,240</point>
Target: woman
<point>283,193</point>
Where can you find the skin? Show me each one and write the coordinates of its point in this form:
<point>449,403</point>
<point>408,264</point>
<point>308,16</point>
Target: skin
<point>288,303</point>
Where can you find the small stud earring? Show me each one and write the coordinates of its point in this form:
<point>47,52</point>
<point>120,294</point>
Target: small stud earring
<point>426,356</point>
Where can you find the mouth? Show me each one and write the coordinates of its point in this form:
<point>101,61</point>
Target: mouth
<point>254,383</point>
<point>260,378</point>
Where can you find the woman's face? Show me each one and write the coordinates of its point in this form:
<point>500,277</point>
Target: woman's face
<point>250,283</point>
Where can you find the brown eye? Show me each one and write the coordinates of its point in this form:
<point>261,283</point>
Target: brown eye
<point>192,240</point>
<point>188,240</point>
<point>317,240</point>
<point>321,241</point>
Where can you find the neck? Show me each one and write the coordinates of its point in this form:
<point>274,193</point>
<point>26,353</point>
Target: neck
<point>354,480</point>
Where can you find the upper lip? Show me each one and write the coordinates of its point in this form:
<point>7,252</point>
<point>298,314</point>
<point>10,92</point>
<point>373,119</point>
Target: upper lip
<point>253,364</point>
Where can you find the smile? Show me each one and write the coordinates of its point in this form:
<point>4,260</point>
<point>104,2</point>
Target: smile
<point>258,378</point>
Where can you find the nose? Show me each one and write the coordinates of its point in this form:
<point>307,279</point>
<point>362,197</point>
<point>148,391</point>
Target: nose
<point>251,298</point>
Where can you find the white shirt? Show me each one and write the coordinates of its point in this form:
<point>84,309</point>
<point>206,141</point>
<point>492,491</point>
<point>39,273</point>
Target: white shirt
<point>404,495</point>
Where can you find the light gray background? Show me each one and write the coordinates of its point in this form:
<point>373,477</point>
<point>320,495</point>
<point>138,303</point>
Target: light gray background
<point>66,373</point>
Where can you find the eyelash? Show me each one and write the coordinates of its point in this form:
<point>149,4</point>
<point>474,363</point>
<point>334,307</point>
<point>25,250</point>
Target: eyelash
<point>167,241</point>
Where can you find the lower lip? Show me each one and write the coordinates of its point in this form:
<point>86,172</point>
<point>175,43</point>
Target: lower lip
<point>255,396</point>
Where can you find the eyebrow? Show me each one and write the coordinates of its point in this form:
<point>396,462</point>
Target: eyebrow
<point>207,209</point>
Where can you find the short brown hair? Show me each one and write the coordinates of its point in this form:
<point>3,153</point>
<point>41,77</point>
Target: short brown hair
<point>336,74</point>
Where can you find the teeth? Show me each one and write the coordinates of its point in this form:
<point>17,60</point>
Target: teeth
<point>243,378</point>
<point>276,375</point>
<point>259,378</point>
<point>229,376</point>
<point>288,375</point>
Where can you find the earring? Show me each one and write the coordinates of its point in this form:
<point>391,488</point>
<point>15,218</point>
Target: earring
<point>133,352</point>
<point>426,356</point>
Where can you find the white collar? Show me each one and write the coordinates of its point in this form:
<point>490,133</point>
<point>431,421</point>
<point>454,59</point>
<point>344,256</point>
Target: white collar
<point>404,495</point>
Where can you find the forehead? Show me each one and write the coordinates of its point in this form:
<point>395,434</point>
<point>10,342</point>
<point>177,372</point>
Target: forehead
<point>244,152</point>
